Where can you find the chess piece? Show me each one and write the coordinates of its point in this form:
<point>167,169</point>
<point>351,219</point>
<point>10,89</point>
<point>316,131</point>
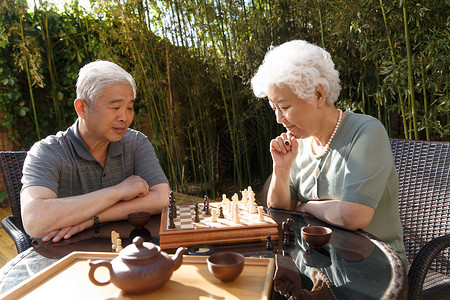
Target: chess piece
<point>269,245</point>
<point>235,211</point>
<point>207,211</point>
<point>171,222</point>
<point>221,215</point>
<point>228,207</point>
<point>196,218</point>
<point>261,214</point>
<point>205,202</point>
<point>236,217</point>
<point>170,210</point>
<point>224,198</point>
<point>119,245</point>
<point>114,237</point>
<point>286,239</point>
<point>291,228</point>
<point>206,206</point>
<point>284,226</point>
<point>214,216</point>
<point>235,198</point>
<point>253,209</point>
<point>244,197</point>
<point>286,243</point>
<point>174,206</point>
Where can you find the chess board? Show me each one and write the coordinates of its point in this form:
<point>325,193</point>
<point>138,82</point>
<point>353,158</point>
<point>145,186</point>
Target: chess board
<point>225,230</point>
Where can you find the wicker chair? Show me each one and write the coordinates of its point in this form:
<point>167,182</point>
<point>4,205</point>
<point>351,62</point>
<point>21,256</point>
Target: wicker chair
<point>11,167</point>
<point>424,202</point>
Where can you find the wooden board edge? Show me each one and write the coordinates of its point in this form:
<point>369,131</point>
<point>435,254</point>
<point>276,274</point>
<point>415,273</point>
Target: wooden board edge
<point>22,288</point>
<point>37,279</point>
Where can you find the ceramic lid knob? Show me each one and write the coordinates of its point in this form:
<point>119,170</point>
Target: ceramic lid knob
<point>139,250</point>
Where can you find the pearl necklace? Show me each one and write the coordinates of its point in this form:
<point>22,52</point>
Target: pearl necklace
<point>327,146</point>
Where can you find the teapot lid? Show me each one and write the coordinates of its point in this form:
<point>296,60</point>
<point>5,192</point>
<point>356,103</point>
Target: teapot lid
<point>139,250</point>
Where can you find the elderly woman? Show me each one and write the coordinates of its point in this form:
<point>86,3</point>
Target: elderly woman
<point>335,165</point>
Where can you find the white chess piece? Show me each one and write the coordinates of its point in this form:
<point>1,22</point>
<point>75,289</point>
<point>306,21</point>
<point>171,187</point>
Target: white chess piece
<point>244,197</point>
<point>114,237</point>
<point>214,215</point>
<point>228,206</point>
<point>235,198</point>
<point>253,208</point>
<point>236,218</point>
<point>260,214</point>
<point>224,199</point>
<point>119,245</point>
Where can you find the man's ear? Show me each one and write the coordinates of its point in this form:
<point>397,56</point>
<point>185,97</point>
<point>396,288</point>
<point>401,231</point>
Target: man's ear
<point>320,95</point>
<point>81,108</point>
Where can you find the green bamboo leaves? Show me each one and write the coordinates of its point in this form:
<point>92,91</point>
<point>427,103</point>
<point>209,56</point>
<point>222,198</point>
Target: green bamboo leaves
<point>193,59</point>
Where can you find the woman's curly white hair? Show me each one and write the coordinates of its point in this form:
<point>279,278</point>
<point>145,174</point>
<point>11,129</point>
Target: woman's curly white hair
<point>301,66</point>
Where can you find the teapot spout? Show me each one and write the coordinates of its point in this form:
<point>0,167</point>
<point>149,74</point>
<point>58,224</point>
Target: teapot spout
<point>178,257</point>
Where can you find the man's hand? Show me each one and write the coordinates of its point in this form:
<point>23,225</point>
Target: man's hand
<point>66,233</point>
<point>132,187</point>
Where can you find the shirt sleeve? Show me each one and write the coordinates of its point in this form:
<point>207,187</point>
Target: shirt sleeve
<point>146,163</point>
<point>41,167</point>
<point>369,164</point>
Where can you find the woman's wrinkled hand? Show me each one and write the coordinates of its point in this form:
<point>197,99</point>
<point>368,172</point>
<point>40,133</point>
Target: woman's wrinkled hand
<point>284,150</point>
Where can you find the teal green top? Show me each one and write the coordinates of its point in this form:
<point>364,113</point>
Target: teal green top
<point>359,167</point>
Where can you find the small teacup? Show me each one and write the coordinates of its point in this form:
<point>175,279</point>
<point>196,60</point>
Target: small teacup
<point>316,236</point>
<point>139,219</point>
<point>226,266</point>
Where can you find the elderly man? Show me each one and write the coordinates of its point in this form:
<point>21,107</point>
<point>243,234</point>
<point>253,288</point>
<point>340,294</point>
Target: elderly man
<point>98,170</point>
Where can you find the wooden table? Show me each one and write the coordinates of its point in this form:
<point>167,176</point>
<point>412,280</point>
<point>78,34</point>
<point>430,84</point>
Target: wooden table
<point>357,265</point>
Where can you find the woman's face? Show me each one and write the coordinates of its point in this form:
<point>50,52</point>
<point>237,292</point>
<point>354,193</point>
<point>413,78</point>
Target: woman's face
<point>296,115</point>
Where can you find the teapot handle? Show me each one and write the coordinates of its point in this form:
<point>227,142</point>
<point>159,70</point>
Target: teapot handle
<point>94,265</point>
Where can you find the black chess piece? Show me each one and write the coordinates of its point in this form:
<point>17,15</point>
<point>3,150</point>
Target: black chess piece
<point>170,210</point>
<point>286,239</point>
<point>292,237</point>
<point>286,243</point>
<point>284,226</point>
<point>174,206</point>
<point>269,245</point>
<point>291,228</point>
<point>221,215</point>
<point>171,223</point>
<point>205,203</point>
<point>196,218</point>
<point>207,211</point>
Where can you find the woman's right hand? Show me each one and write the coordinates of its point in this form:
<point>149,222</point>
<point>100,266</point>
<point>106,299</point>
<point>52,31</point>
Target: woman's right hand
<point>284,150</point>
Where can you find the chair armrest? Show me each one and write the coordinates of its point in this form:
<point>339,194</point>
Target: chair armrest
<point>21,240</point>
<point>422,262</point>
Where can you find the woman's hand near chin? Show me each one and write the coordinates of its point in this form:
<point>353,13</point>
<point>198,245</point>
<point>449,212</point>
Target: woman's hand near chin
<point>284,150</point>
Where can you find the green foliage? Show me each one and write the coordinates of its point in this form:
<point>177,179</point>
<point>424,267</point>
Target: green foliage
<point>193,60</point>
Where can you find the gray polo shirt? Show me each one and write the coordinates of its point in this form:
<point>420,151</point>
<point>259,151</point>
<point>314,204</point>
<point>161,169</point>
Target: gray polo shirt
<point>63,163</point>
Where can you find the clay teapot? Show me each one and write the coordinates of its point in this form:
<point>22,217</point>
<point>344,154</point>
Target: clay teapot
<point>140,267</point>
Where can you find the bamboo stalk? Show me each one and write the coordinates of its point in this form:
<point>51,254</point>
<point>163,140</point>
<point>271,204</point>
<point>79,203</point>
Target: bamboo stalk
<point>30,88</point>
<point>425,98</point>
<point>399,92</point>
<point>410,72</point>
<point>51,65</point>
<point>321,24</point>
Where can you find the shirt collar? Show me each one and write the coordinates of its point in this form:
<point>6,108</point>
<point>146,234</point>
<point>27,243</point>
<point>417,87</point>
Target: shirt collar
<point>114,148</point>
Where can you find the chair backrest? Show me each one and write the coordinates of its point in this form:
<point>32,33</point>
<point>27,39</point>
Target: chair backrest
<point>11,164</point>
<point>424,195</point>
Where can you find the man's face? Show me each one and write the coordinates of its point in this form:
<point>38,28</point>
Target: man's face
<point>112,114</point>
